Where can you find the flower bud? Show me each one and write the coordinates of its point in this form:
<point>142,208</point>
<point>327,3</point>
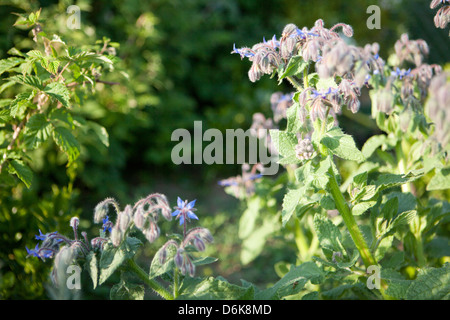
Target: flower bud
<point>116,236</point>
<point>179,259</point>
<point>125,218</point>
<point>74,222</point>
<point>152,232</point>
<point>199,244</point>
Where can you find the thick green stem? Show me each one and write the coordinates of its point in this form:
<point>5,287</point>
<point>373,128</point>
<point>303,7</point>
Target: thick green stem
<point>176,279</point>
<point>295,83</point>
<point>350,221</point>
<point>153,284</point>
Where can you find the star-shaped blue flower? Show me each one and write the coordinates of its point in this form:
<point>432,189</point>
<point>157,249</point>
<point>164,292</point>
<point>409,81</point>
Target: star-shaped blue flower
<point>184,210</point>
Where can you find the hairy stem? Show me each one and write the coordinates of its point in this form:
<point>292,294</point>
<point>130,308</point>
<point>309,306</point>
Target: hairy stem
<point>350,221</point>
<point>153,284</point>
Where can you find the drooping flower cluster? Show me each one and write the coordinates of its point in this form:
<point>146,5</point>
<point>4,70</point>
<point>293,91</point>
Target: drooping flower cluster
<point>198,237</point>
<point>442,17</point>
<point>279,103</point>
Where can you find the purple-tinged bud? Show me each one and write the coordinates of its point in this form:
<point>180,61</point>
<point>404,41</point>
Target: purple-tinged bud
<point>348,30</point>
<point>116,236</point>
<point>289,30</point>
<point>179,258</point>
<point>199,244</point>
<point>287,47</point>
<point>190,267</point>
<point>139,218</point>
<point>152,232</point>
<point>254,74</point>
<point>74,222</point>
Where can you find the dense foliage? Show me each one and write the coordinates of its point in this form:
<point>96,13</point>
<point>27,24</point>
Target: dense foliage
<point>88,113</point>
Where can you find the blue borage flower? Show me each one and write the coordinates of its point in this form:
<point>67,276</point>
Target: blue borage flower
<point>303,35</point>
<point>401,73</point>
<point>315,93</point>
<point>107,225</point>
<point>184,211</point>
<point>243,52</point>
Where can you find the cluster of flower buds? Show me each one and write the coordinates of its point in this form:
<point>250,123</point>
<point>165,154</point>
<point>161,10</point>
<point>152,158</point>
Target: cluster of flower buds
<point>197,237</point>
<point>244,184</point>
<point>437,107</point>
<point>144,215</point>
<point>304,149</point>
<point>322,103</point>
<point>413,51</point>
<point>442,17</point>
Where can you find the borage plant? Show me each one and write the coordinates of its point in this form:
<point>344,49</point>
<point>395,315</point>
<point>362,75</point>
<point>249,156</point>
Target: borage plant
<point>372,211</point>
<point>115,249</point>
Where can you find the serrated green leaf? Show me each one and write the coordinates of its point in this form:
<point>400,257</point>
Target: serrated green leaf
<point>66,142</point>
<point>330,237</point>
<point>284,142</point>
<point>390,180</point>
<point>342,145</point>
<point>59,92</point>
<point>22,171</point>
<point>9,63</point>
<point>29,80</point>
<point>37,130</point>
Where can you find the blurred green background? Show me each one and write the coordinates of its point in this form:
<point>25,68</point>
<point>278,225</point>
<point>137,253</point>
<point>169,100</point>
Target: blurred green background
<point>177,56</point>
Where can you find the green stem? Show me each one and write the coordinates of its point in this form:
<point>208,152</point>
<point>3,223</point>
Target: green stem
<point>295,83</point>
<point>176,279</point>
<point>157,287</point>
<point>350,221</point>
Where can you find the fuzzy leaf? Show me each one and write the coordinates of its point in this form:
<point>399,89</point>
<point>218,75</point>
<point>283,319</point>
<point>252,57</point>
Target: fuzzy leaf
<point>127,291</point>
<point>440,180</point>
<point>59,92</point>
<point>113,257</point>
<point>342,145</point>
<point>22,171</point>
<point>213,289</point>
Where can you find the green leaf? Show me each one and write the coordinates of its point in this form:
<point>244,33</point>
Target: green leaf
<point>127,291</point>
<point>295,66</point>
<point>91,265</point>
<point>254,244</point>
<point>440,180</point>
<point>293,282</point>
<point>248,219</point>
<point>156,268</point>
<point>290,202</point>
<point>22,171</point>
<point>213,289</point>
<point>8,64</point>
<point>362,207</point>
<point>37,130</point>
<point>330,237</point>
<point>66,142</point>
<point>285,142</point>
<point>59,92</point>
<point>100,132</point>
<point>325,83</point>
<point>390,180</point>
<point>372,144</point>
<point>113,257</point>
<point>28,80</point>
<point>342,145</point>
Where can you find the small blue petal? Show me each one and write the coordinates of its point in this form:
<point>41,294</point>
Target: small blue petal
<point>175,213</point>
<point>192,215</point>
<point>181,220</point>
<point>180,203</point>
<point>191,204</point>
